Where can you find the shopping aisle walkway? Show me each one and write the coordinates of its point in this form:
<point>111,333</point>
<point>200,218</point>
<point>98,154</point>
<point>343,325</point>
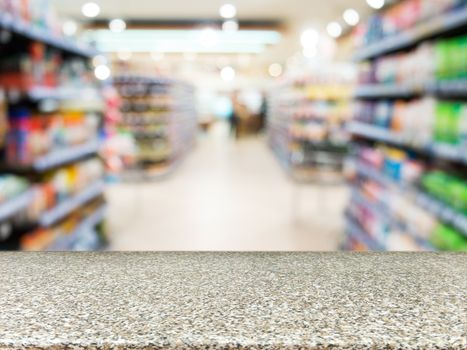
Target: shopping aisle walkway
<point>226,196</point>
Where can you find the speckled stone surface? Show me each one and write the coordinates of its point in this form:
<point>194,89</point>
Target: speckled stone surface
<point>233,301</point>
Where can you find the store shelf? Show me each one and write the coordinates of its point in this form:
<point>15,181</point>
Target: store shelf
<point>436,26</point>
<point>386,90</point>
<point>437,208</point>
<point>376,175</point>
<point>449,88</point>
<point>374,133</point>
<point>442,151</point>
<point>355,231</point>
<point>65,208</point>
<point>91,221</point>
<point>15,205</point>
<point>58,158</point>
<point>33,33</point>
<point>452,88</point>
<point>39,93</point>
<point>443,212</point>
<point>384,214</point>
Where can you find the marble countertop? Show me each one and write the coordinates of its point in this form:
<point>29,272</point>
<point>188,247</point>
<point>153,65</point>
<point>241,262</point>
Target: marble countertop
<point>233,301</point>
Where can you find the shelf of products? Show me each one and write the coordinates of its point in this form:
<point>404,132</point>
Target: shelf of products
<point>51,111</point>
<point>58,158</point>
<point>15,195</point>
<point>442,211</point>
<point>77,232</point>
<point>409,74</point>
<point>396,193</point>
<point>360,240</point>
<point>306,118</point>
<point>410,132</point>
<point>35,21</point>
<point>447,89</point>
<point>407,24</point>
<point>69,205</point>
<point>442,151</point>
<point>159,114</point>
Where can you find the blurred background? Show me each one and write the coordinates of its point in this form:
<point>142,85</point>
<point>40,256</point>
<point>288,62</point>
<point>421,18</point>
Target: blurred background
<point>233,125</point>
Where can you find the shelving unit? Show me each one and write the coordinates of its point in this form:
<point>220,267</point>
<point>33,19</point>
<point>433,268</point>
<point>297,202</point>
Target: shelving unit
<point>357,233</point>
<point>62,210</point>
<point>34,33</point>
<point>438,209</point>
<point>379,134</point>
<point>64,138</point>
<point>454,20</point>
<point>401,138</point>
<point>15,205</point>
<point>306,118</point>
<point>449,89</point>
<point>57,158</point>
<point>87,225</point>
<point>160,115</point>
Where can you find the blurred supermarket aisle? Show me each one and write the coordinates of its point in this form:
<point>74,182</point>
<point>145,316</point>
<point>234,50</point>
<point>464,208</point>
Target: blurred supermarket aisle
<point>226,196</point>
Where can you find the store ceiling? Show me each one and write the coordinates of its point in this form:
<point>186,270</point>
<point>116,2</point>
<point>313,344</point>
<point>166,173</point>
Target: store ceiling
<point>317,11</point>
<point>294,16</point>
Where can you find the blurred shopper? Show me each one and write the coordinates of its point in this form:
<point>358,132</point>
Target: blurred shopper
<point>263,111</point>
<point>238,112</point>
<point>233,117</point>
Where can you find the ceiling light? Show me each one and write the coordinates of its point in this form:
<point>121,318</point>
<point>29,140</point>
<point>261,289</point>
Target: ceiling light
<point>351,17</point>
<point>228,11</point>
<point>208,37</point>
<point>102,72</point>
<point>124,55</point>
<point>90,9</point>
<point>117,25</point>
<point>69,27</point>
<point>181,40</point>
<point>309,37</point>
<point>157,56</point>
<point>334,29</point>
<point>228,74</point>
<point>376,4</point>
<point>230,26</point>
<point>310,52</point>
<point>275,70</point>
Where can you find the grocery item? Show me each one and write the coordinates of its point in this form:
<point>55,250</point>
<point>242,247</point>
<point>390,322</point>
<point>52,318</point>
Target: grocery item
<point>403,16</point>
<point>446,238</point>
<point>413,68</point>
<point>421,122</point>
<point>11,186</point>
<point>450,189</point>
<point>3,117</point>
<point>32,134</point>
<point>71,234</point>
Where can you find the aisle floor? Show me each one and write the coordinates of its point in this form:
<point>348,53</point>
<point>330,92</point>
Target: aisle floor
<point>226,196</point>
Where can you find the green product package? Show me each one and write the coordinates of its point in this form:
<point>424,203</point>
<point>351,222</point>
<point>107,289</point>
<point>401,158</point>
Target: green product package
<point>458,192</point>
<point>449,189</point>
<point>446,238</point>
<point>442,122</point>
<point>435,183</point>
<point>463,127</point>
<point>453,122</point>
<point>441,57</point>
<point>463,56</point>
<point>453,59</point>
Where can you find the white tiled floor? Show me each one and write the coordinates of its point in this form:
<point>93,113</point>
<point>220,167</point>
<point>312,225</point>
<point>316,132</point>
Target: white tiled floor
<point>226,195</point>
